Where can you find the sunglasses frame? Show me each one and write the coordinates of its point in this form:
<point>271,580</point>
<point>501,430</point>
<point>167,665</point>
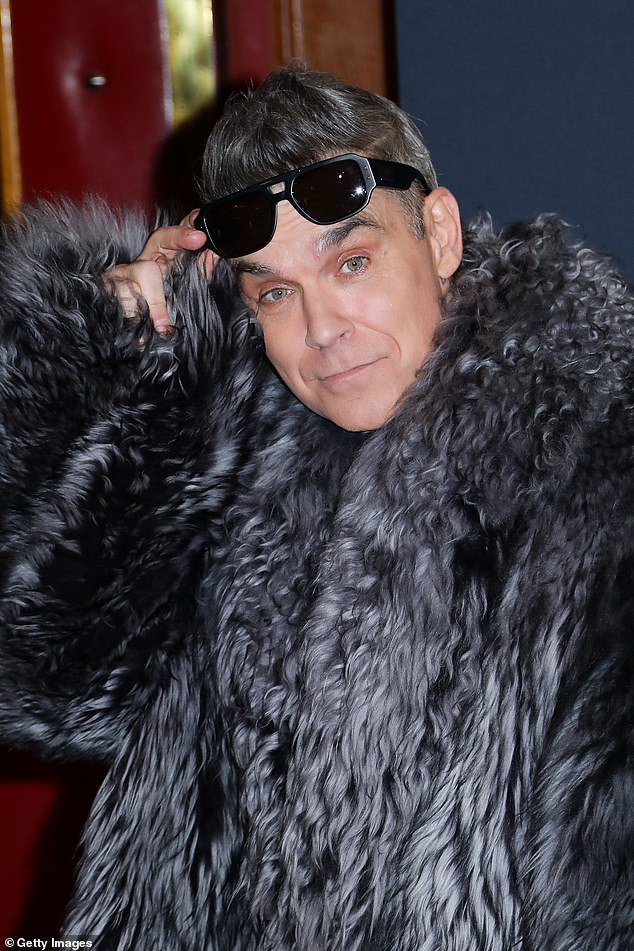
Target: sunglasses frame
<point>376,173</point>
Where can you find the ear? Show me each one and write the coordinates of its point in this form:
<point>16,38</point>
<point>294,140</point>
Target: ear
<point>442,228</point>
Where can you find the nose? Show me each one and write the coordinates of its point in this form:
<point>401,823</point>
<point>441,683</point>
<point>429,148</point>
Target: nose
<point>326,321</point>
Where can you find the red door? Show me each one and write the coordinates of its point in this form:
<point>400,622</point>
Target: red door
<point>92,96</point>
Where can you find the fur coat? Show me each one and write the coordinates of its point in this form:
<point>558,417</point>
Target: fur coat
<point>357,692</point>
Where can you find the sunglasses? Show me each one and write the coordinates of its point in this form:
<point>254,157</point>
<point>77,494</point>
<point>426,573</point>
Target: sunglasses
<point>324,193</point>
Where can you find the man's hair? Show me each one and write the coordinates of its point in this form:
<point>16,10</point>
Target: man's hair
<point>299,116</point>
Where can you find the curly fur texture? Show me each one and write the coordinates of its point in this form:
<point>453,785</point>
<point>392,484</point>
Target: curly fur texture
<point>358,692</point>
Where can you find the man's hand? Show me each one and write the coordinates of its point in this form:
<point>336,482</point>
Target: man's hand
<point>143,278</point>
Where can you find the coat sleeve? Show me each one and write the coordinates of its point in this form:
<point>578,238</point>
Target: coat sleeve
<point>118,454</point>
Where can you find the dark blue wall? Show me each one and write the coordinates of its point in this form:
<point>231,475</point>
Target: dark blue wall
<point>528,107</point>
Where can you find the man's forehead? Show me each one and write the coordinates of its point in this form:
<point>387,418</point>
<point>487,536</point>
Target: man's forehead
<point>323,239</point>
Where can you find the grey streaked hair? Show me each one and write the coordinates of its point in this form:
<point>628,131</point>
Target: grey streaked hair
<point>298,116</point>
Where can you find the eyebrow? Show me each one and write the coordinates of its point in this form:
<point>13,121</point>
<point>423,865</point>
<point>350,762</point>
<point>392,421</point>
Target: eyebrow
<point>329,239</point>
<point>335,236</point>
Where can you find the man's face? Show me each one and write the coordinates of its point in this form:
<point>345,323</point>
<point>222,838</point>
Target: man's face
<point>348,311</point>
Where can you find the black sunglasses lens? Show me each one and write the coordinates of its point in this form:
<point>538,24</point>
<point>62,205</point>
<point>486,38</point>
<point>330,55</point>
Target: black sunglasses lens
<point>240,224</point>
<point>332,192</point>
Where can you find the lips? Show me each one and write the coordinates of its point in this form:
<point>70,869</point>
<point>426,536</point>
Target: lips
<point>347,373</point>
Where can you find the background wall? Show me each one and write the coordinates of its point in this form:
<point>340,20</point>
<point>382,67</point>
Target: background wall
<point>528,107</point>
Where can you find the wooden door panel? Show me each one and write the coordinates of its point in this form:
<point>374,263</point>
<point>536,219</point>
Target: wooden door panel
<point>353,39</point>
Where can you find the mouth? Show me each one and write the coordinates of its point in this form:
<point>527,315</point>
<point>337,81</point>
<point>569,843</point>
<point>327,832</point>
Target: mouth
<point>349,374</point>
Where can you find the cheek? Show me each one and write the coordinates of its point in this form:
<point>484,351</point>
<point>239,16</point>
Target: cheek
<point>408,324</point>
<point>424,316</point>
<point>422,336</point>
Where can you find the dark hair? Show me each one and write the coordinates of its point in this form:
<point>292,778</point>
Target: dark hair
<point>298,116</point>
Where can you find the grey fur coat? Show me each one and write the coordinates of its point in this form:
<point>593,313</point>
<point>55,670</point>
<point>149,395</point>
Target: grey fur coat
<point>358,692</point>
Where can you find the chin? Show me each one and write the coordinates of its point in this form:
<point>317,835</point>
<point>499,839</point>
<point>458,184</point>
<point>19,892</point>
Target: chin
<point>363,420</point>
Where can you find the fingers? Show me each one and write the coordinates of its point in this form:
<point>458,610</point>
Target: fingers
<point>166,243</point>
<point>143,279</point>
<point>189,219</point>
<point>167,238</point>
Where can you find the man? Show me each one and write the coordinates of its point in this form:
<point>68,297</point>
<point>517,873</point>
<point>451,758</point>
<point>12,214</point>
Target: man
<point>351,621</point>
